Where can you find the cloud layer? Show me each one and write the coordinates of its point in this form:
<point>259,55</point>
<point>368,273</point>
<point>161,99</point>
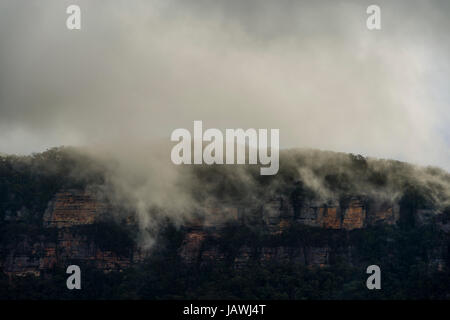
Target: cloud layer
<point>138,70</point>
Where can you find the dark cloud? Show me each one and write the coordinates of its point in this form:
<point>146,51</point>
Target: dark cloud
<point>138,70</point>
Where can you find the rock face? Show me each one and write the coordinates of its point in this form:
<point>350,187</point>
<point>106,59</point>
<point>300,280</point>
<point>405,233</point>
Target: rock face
<point>195,250</point>
<point>192,244</point>
<point>62,243</point>
<point>24,259</point>
<point>73,207</point>
<point>355,215</point>
<point>277,215</point>
<point>35,258</point>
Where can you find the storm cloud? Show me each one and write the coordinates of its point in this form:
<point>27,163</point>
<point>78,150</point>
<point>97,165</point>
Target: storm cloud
<point>138,70</point>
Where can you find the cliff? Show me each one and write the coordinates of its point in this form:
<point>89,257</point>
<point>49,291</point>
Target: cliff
<point>73,207</point>
<point>203,242</point>
<point>65,240</point>
<point>308,232</point>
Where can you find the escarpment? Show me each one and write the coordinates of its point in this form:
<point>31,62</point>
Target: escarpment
<point>53,221</point>
<point>71,233</point>
<point>74,216</point>
<point>72,207</point>
<point>278,217</point>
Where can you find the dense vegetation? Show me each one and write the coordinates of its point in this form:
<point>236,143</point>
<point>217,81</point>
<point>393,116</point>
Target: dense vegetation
<point>403,255</point>
<point>407,253</point>
<point>27,183</point>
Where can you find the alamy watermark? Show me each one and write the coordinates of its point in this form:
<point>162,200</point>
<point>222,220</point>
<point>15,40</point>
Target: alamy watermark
<point>251,142</point>
<point>374,281</point>
<point>74,280</point>
<point>373,22</point>
<point>73,21</point>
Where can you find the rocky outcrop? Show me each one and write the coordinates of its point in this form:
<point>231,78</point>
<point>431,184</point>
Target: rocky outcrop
<point>354,215</point>
<point>73,207</point>
<point>62,243</point>
<point>192,244</point>
<point>196,250</point>
<point>276,216</point>
<point>36,258</point>
<point>23,260</point>
<point>278,213</point>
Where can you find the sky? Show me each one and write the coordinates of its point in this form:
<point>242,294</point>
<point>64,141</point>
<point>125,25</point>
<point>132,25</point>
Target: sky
<point>137,70</point>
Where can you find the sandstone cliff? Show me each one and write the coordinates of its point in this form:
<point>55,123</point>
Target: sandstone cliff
<point>62,242</point>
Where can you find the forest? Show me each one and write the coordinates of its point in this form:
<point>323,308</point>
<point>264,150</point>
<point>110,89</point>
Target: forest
<point>414,256</point>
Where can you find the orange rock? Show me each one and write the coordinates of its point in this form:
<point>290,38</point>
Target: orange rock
<point>329,217</point>
<point>354,216</point>
<point>70,208</point>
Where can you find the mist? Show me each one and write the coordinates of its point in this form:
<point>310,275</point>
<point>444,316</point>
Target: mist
<point>138,70</point>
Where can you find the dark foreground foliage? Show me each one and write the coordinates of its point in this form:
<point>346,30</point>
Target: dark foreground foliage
<point>402,254</point>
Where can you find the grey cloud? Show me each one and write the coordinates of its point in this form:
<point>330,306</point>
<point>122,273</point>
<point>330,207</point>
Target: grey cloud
<point>137,70</point>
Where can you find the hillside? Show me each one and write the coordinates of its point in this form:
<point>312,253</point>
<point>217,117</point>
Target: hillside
<point>307,233</point>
